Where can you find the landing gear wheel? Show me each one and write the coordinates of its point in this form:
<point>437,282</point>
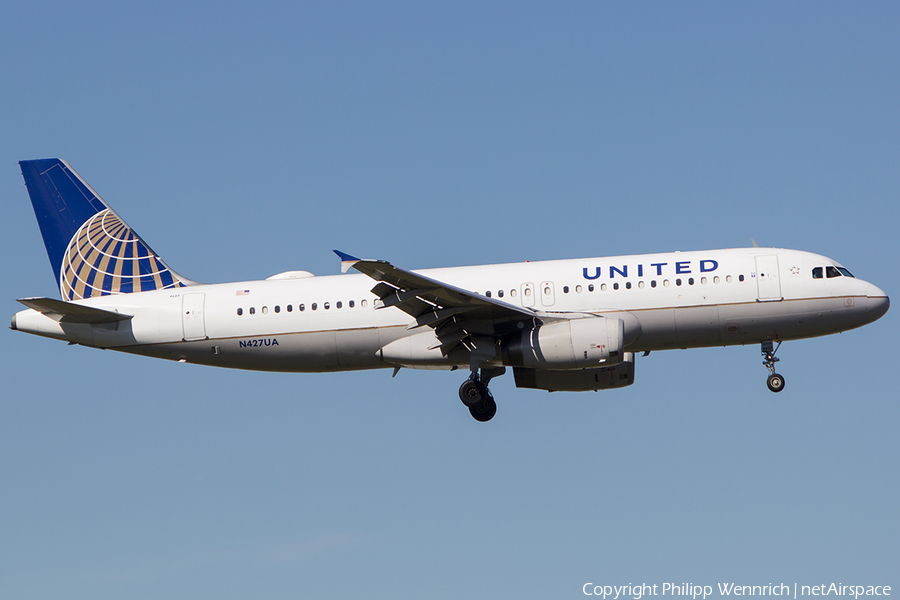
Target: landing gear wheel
<point>485,410</point>
<point>775,382</point>
<point>472,393</point>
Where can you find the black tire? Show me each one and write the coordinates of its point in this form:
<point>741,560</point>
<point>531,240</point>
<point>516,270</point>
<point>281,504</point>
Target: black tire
<point>472,392</point>
<point>775,382</point>
<point>484,411</point>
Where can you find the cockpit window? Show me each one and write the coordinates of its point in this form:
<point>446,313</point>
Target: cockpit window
<point>845,272</point>
<point>830,272</point>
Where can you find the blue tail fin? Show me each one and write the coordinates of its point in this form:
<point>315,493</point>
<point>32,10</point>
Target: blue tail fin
<point>93,252</point>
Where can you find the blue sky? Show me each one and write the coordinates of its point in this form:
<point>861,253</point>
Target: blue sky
<point>244,140</point>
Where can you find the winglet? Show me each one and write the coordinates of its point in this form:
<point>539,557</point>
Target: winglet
<point>347,261</point>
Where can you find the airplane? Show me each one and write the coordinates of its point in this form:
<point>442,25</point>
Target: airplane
<point>560,325</point>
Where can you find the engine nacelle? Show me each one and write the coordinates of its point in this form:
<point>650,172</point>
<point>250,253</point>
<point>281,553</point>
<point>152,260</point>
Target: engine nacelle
<point>581,380</point>
<point>571,344</point>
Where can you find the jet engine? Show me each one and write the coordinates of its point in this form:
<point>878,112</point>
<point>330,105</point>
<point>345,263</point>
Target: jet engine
<point>571,344</point>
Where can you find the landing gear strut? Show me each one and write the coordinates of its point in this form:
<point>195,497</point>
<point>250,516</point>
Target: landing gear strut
<point>475,394</point>
<point>774,381</point>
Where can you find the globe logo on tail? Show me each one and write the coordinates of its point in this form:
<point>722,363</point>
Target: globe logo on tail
<point>106,257</point>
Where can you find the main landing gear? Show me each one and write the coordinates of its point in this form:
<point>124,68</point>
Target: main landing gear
<point>774,381</point>
<point>475,394</point>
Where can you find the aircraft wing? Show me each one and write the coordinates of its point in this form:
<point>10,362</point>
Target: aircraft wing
<point>454,313</point>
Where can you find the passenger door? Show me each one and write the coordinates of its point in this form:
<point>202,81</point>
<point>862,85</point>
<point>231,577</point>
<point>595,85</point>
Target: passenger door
<point>767,279</point>
<point>192,318</point>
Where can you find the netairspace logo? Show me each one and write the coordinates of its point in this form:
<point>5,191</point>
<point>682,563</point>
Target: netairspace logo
<point>638,591</point>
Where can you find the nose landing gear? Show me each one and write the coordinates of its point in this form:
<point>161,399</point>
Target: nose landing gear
<point>775,382</point>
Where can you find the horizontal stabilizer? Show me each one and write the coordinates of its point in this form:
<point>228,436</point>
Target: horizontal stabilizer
<point>72,313</point>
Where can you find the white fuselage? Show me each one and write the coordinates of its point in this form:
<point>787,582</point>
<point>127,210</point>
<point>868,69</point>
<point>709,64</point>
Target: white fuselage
<point>332,323</point>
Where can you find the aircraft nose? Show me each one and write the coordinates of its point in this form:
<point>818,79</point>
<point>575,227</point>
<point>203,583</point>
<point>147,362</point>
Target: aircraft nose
<point>877,301</point>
